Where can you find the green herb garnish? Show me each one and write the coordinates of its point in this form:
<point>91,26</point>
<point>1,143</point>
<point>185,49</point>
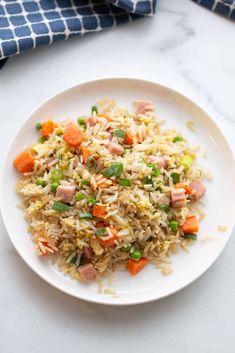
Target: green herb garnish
<point>175,177</point>
<point>164,207</point>
<point>155,170</point>
<point>190,236</point>
<point>85,215</point>
<point>60,206</point>
<point>94,109</point>
<point>115,169</point>
<point>40,181</point>
<point>119,133</point>
<point>178,139</point>
<point>125,182</point>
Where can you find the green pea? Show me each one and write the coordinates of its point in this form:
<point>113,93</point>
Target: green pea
<point>164,207</point>
<point>79,196</point>
<point>178,139</point>
<point>54,186</point>
<point>41,182</point>
<point>91,201</point>
<point>135,255</point>
<point>174,225</point>
<point>38,126</point>
<point>56,175</point>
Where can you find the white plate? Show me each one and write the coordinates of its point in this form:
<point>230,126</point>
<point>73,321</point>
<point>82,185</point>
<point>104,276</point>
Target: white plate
<point>219,201</point>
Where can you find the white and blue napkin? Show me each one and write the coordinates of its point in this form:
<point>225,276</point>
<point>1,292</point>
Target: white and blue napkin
<point>27,24</point>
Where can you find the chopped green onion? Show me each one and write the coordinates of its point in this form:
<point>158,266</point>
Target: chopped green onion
<point>56,175</point>
<point>126,248</point>
<point>135,255</point>
<point>42,139</point>
<point>94,109</point>
<point>125,182</point>
<point>175,177</point>
<point>119,133</point>
<point>82,260</point>
<point>100,232</point>
<point>85,182</point>
<point>174,225</point>
<point>115,169</point>
<point>156,171</point>
<point>40,181</point>
<point>73,260</point>
<point>79,196</point>
<point>60,206</point>
<point>85,215</point>
<point>164,207</point>
<point>190,236</point>
<point>91,201</point>
<point>148,180</point>
<point>38,126</point>
<point>91,162</point>
<point>54,186</point>
<point>178,139</point>
<point>186,161</point>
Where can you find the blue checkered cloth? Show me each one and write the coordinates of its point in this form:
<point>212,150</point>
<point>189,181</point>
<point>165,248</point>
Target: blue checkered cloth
<point>27,24</point>
<point>222,7</point>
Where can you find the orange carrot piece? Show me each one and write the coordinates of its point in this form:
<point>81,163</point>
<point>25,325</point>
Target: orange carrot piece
<point>99,211</point>
<point>135,266</point>
<point>73,135</point>
<point>187,188</point>
<point>47,128</point>
<point>110,241</point>
<point>24,162</point>
<point>190,225</point>
<point>86,153</point>
<point>129,140</point>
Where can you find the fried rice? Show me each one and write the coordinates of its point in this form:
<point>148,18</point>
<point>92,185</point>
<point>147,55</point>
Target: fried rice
<point>112,190</point>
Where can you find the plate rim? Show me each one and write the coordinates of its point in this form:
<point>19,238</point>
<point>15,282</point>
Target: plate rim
<point>98,300</point>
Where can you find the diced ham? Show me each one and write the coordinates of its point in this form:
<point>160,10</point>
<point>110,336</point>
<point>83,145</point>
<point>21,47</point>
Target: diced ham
<point>143,106</point>
<point>66,192</point>
<point>178,198</point>
<point>87,272</point>
<point>198,189</point>
<point>115,148</point>
<point>160,161</point>
<point>152,159</point>
<point>88,252</point>
<point>91,120</point>
<point>51,161</point>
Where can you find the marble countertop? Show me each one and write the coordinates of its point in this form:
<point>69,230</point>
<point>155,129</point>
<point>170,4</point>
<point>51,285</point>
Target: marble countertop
<point>192,50</point>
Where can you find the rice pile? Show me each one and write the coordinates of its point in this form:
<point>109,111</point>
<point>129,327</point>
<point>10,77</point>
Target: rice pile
<point>140,212</point>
